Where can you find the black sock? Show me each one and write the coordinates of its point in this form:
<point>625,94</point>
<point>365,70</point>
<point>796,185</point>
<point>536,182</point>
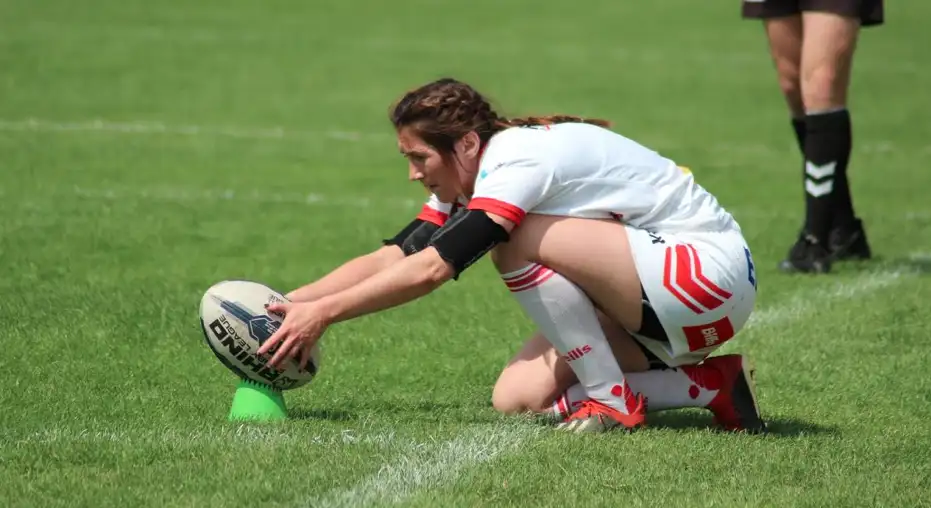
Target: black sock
<point>844,216</point>
<point>827,149</point>
<point>798,125</point>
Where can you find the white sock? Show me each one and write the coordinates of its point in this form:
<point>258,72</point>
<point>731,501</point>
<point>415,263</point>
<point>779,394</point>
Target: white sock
<point>567,318</point>
<point>692,386</point>
<point>687,386</point>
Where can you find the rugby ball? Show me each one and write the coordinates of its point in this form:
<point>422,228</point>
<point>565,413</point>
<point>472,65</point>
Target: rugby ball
<point>235,323</point>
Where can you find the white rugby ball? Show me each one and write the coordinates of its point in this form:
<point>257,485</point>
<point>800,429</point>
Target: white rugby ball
<point>235,323</point>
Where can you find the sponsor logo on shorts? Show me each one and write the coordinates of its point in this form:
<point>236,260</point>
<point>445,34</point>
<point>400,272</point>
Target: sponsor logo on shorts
<point>577,353</point>
<point>683,277</point>
<point>710,335</point>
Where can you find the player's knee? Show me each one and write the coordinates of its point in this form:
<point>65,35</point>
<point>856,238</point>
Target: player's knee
<point>790,86</point>
<point>510,396</point>
<point>823,87</point>
<point>505,400</point>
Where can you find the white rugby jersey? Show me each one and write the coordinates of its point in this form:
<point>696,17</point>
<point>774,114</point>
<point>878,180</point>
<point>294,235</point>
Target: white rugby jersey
<point>582,170</point>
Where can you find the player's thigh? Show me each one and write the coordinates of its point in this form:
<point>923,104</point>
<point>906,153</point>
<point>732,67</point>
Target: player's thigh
<point>830,40</point>
<point>784,35</point>
<point>537,374</point>
<point>701,287</point>
<point>593,254</point>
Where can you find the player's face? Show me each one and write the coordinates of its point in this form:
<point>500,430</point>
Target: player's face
<point>443,177</point>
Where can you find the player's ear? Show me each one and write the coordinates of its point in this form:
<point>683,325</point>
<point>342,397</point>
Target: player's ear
<point>469,145</point>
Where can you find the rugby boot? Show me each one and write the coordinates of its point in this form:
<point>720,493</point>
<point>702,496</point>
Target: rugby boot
<point>807,256</point>
<point>734,407</point>
<point>849,242</point>
<point>594,416</point>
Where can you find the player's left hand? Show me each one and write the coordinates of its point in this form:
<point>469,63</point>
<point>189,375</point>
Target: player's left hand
<point>303,325</point>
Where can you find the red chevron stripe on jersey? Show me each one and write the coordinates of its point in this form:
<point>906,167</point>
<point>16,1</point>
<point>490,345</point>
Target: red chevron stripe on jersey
<point>687,284</point>
<point>529,278</point>
<point>704,280</point>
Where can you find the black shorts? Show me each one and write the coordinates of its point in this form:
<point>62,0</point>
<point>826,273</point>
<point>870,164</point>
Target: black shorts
<point>651,327</point>
<point>869,12</point>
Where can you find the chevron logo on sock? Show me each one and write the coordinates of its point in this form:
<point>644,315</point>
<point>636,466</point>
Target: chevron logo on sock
<point>820,178</point>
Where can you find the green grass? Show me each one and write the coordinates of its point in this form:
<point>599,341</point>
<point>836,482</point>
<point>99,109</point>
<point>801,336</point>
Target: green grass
<point>110,236</point>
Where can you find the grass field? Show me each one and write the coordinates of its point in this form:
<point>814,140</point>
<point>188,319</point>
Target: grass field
<point>151,149</point>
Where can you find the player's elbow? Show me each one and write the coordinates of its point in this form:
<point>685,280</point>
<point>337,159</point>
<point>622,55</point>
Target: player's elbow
<point>436,270</point>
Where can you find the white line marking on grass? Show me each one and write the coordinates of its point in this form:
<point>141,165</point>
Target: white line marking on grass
<point>192,195</point>
<point>221,437</point>
<point>801,305</point>
<point>428,467</point>
<point>148,32</point>
<point>147,127</point>
<point>182,195</point>
<point>141,127</point>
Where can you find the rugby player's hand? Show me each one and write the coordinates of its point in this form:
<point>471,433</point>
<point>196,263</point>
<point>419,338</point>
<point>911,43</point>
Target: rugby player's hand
<point>302,327</point>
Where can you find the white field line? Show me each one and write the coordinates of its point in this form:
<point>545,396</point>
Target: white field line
<point>150,128</point>
<point>243,434</point>
<point>801,306</point>
<point>169,194</point>
<point>411,473</point>
<point>431,467</point>
<point>578,51</point>
<point>183,195</point>
<point>143,127</point>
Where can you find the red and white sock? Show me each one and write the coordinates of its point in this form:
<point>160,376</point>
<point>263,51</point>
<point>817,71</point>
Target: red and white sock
<point>566,316</point>
<point>687,386</point>
<point>569,402</point>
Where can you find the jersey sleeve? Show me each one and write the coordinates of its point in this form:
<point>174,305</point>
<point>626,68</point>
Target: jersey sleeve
<point>417,233</point>
<point>511,187</point>
<point>435,211</point>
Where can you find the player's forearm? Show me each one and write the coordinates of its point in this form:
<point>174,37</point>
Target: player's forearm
<point>398,284</point>
<point>348,274</point>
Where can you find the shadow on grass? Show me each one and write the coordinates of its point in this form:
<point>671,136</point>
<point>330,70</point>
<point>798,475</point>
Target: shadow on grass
<point>395,410</point>
<point>334,415</point>
<point>782,427</point>
<point>919,264</point>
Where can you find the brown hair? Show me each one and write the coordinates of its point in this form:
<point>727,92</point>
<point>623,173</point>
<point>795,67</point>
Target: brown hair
<point>443,111</point>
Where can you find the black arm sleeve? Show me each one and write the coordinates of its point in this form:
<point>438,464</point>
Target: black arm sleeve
<point>466,238</point>
<point>414,237</point>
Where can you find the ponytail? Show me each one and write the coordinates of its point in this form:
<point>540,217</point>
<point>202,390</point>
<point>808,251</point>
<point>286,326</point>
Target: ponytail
<point>530,121</point>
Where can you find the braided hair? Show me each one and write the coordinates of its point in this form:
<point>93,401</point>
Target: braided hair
<point>445,110</point>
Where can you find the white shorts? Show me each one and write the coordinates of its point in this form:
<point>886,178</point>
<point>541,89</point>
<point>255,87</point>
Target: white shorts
<point>702,287</point>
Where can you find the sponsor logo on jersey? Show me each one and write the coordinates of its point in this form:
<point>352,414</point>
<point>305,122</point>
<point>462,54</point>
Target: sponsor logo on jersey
<point>710,335</point>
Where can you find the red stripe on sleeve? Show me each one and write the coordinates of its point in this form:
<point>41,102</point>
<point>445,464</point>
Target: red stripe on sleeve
<point>506,210</point>
<point>430,215</point>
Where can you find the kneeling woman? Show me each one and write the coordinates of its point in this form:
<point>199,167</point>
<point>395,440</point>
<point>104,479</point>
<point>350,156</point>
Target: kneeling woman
<point>632,272</point>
